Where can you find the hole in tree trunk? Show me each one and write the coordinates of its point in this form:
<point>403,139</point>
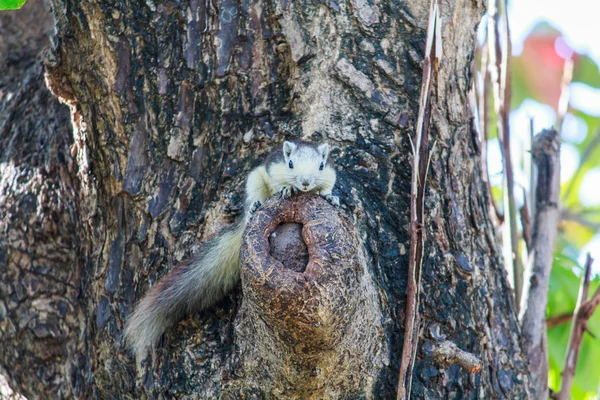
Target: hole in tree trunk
<point>288,247</point>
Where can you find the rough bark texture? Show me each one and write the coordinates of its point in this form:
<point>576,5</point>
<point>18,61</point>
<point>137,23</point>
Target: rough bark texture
<point>316,333</point>
<point>40,245</point>
<point>172,104</point>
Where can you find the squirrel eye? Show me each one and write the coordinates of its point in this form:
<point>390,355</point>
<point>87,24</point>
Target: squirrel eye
<point>291,164</point>
<point>321,166</point>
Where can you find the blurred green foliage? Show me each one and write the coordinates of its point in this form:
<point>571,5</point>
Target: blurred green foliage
<point>587,72</point>
<point>564,287</point>
<point>11,4</point>
<point>537,75</point>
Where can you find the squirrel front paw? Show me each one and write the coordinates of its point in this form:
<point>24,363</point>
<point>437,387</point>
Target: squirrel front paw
<point>287,192</point>
<point>334,200</point>
<point>252,210</point>
<point>255,207</point>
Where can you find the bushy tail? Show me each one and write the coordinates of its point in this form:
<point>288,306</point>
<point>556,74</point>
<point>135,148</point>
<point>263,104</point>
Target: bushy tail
<point>194,285</point>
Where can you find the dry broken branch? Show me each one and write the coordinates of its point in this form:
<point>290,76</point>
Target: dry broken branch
<point>448,353</point>
<point>420,164</point>
<point>546,155</point>
<point>583,311</point>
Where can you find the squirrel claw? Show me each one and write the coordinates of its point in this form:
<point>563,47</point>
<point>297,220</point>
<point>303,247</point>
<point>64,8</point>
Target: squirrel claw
<point>287,192</point>
<point>255,207</point>
<point>334,200</point>
<point>252,210</point>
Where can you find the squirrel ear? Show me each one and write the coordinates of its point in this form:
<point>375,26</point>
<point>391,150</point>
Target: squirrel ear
<point>324,151</point>
<point>288,149</point>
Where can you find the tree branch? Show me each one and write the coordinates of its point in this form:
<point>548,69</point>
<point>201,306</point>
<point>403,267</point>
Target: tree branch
<point>420,165</point>
<point>545,150</point>
<point>528,208</point>
<point>558,320</point>
<point>500,75</point>
<point>484,122</point>
<point>583,311</point>
<point>448,353</point>
<point>526,222</point>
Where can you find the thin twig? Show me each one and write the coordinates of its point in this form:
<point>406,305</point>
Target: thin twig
<point>526,211</point>
<point>506,68</point>
<point>563,101</point>
<point>484,122</point>
<point>588,308</point>
<point>583,311</point>
<point>526,222</point>
<point>558,320</point>
<point>531,172</point>
<point>484,112</point>
<point>509,197</point>
<point>545,150</point>
<point>421,160</point>
<point>500,74</point>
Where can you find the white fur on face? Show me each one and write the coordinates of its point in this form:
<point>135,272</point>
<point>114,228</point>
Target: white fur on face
<point>288,149</point>
<point>324,150</point>
<point>306,163</point>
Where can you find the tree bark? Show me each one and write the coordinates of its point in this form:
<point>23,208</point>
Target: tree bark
<point>41,243</point>
<point>172,104</point>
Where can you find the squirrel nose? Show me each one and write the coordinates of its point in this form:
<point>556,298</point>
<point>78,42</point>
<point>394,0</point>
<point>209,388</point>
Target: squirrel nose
<point>305,183</point>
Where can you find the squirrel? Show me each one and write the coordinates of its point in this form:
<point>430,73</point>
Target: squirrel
<point>207,276</point>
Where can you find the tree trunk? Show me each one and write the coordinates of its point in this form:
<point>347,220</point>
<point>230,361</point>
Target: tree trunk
<point>42,245</point>
<point>172,104</point>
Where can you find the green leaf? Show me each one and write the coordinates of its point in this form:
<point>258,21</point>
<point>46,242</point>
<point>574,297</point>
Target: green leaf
<point>558,337</point>
<point>564,286</point>
<point>586,71</point>
<point>11,4</point>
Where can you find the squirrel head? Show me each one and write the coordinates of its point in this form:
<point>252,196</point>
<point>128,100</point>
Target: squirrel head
<point>305,164</point>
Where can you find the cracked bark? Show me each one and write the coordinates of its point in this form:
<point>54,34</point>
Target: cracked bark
<point>40,247</point>
<point>172,104</point>
<point>307,333</point>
